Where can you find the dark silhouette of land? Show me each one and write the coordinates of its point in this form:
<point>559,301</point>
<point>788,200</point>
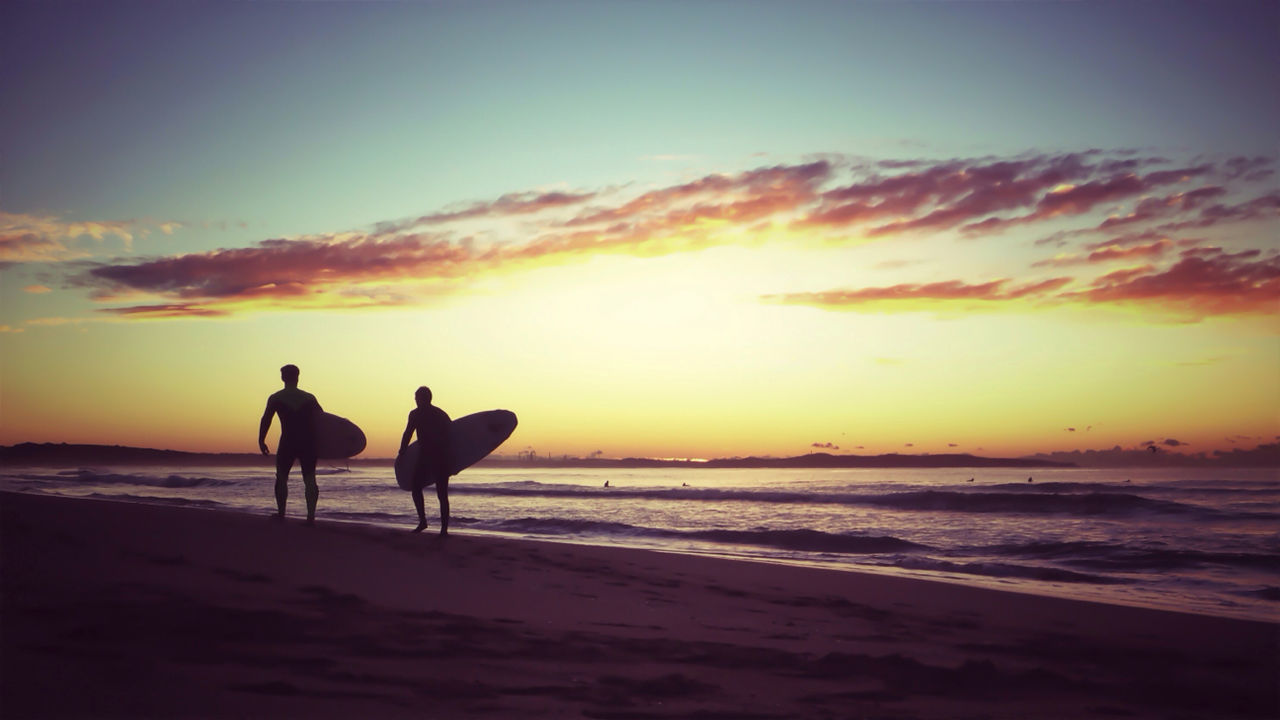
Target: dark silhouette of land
<point>812,460</point>
<point>73,454</point>
<point>64,454</point>
<point>68,454</point>
<point>1266,455</point>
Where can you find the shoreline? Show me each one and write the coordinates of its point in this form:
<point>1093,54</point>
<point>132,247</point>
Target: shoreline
<point>61,454</point>
<point>1264,456</point>
<point>169,611</point>
<point>1245,595</point>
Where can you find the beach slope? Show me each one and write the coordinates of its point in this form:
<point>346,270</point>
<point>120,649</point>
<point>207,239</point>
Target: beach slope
<point>129,610</point>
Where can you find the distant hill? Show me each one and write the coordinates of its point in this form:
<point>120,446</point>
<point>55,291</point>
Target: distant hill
<point>65,454</point>
<point>892,460</point>
<point>68,454</point>
<point>812,460</point>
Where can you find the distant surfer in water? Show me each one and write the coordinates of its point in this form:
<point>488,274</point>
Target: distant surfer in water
<point>299,411</point>
<point>435,457</point>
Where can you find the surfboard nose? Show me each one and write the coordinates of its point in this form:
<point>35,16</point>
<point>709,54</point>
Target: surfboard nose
<point>502,421</point>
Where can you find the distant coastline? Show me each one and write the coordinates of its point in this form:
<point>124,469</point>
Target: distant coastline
<point>75,454</point>
<point>69,454</point>
<point>80,454</point>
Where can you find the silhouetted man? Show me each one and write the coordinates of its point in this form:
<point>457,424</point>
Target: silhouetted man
<point>299,412</point>
<point>435,456</point>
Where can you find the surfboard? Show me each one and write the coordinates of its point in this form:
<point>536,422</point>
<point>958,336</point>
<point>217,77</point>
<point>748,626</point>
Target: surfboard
<point>337,437</point>
<point>471,438</point>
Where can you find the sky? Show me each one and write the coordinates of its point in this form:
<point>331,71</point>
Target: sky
<point>660,229</point>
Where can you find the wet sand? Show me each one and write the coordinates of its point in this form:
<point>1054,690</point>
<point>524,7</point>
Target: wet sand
<point>125,610</point>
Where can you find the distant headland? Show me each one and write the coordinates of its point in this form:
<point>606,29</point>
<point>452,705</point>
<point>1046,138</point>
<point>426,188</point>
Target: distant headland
<point>73,454</point>
<point>811,460</point>
<point>65,454</point>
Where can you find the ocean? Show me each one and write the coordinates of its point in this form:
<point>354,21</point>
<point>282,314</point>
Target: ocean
<point>1197,540</point>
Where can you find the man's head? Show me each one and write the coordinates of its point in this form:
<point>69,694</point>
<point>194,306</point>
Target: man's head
<point>423,396</point>
<point>289,374</point>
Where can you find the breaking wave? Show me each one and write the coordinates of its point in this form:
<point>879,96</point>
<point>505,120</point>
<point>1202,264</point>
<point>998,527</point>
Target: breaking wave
<point>800,540</point>
<point>1039,502</point>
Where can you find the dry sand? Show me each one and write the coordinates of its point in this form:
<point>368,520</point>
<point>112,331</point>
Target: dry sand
<point>126,610</point>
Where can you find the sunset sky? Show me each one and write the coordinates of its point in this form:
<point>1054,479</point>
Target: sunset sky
<point>663,229</point>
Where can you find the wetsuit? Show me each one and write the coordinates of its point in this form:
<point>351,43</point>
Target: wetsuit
<point>298,411</point>
<point>435,457</point>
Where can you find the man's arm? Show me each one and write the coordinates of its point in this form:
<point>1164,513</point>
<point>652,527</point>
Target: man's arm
<point>264,426</point>
<point>408,433</point>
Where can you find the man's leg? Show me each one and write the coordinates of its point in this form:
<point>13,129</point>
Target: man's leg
<point>442,493</point>
<point>310,487</point>
<point>421,479</point>
<point>284,461</point>
<point>419,506</point>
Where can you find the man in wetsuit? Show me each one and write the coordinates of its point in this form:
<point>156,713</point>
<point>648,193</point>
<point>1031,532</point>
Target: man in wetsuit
<point>299,412</point>
<point>435,457</point>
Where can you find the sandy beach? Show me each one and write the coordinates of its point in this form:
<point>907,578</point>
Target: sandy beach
<point>129,610</point>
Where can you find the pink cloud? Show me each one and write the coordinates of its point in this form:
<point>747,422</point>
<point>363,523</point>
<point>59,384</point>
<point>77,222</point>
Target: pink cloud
<point>948,194</point>
<point>1149,209</point>
<point>970,193</point>
<point>1127,239</point>
<point>1108,254</point>
<point>1078,199</point>
<point>1263,207</point>
<point>171,310</point>
<point>525,203</point>
<point>749,195</point>
<point>1250,169</point>
<point>283,268</point>
<point>1205,281</point>
<point>906,294</point>
<point>876,198</point>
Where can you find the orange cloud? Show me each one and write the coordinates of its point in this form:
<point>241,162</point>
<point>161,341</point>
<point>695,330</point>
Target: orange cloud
<point>526,203</point>
<point>1107,254</point>
<point>1204,282</point>
<point>1110,253</point>
<point>913,297</point>
<point>26,238</point>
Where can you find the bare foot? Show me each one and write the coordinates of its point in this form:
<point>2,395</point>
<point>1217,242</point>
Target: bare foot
<point>421,526</point>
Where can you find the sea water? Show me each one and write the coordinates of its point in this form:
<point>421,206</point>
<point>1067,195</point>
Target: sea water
<point>1197,540</point>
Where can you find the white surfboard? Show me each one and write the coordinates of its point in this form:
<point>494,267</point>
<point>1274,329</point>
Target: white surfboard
<point>471,438</point>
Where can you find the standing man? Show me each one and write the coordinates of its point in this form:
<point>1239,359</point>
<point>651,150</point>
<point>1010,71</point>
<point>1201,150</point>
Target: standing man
<point>299,412</point>
<point>435,456</point>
